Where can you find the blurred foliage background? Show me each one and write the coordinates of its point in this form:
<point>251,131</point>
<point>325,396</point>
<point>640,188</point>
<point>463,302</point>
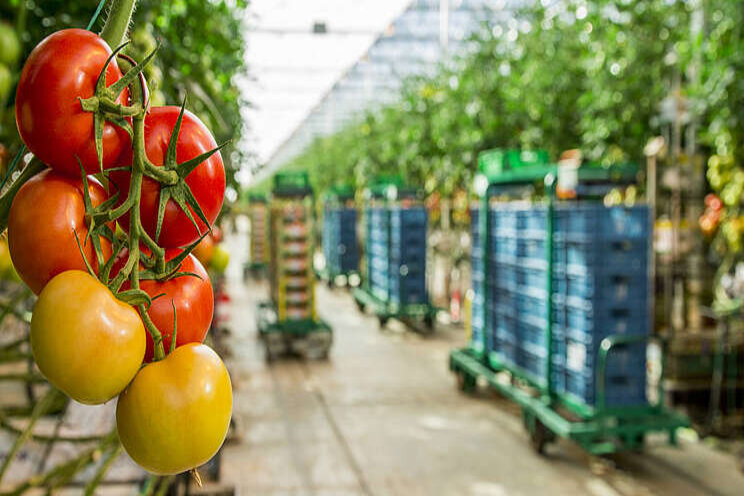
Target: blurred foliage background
<point>199,60</point>
<point>588,74</point>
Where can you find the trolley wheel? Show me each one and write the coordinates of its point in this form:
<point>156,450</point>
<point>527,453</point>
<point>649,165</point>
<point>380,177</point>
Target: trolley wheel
<point>383,320</point>
<point>540,435</point>
<point>360,305</point>
<point>429,322</point>
<point>329,282</point>
<point>639,442</point>
<point>465,382</point>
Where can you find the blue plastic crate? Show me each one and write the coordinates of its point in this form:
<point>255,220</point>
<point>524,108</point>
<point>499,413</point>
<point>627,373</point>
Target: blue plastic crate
<point>594,220</point>
<point>505,277</point>
<point>558,343</point>
<point>609,288</point>
<point>532,248</point>
<point>598,319</point>
<point>529,278</point>
<point>533,218</point>
<point>503,301</point>
<point>504,326</point>
<point>409,216</point>
<point>532,333</point>
<point>503,217</point>
<point>505,247</point>
<point>630,257</point>
<point>506,350</point>
<point>532,306</point>
<point>619,390</point>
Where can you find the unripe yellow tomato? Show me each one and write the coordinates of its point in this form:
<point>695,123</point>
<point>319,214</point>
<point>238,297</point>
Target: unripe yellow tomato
<point>85,341</point>
<point>175,414</point>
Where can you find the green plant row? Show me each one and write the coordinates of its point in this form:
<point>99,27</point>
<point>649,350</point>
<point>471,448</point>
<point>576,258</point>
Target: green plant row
<point>588,74</point>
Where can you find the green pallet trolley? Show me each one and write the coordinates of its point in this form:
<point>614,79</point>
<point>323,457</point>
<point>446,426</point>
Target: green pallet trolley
<point>599,429</point>
<point>288,322</point>
<point>384,193</point>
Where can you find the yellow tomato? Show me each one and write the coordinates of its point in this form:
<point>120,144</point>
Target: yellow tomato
<point>175,414</point>
<point>85,341</point>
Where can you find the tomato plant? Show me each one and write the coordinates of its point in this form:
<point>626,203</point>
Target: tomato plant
<point>186,400</point>
<point>46,214</point>
<point>84,340</point>
<point>99,315</point>
<point>62,70</point>
<point>206,181</point>
<point>187,299</point>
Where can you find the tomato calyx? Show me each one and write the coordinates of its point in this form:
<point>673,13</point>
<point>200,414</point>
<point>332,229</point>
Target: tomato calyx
<point>103,104</point>
<point>172,177</point>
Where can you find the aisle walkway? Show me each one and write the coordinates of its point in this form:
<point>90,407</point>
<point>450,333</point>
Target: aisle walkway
<point>382,417</point>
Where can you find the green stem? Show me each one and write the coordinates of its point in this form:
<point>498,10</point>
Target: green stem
<point>90,488</point>
<point>117,23</point>
<point>66,470</point>
<point>135,228</point>
<point>40,409</point>
<point>161,174</point>
<point>43,438</point>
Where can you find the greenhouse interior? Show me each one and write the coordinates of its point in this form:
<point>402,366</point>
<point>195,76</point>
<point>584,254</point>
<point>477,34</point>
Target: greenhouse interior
<point>372,247</point>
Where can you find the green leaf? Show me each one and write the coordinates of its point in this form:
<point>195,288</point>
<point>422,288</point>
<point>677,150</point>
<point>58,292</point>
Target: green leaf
<point>82,254</point>
<point>101,81</point>
<point>175,328</point>
<point>170,155</point>
<point>162,203</point>
<point>186,168</point>
<point>128,78</point>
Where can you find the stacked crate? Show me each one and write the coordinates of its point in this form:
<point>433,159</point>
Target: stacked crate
<point>519,291</point>
<point>378,255</point>
<point>599,287</point>
<point>408,232</point>
<point>340,239</point>
<point>292,284</point>
<point>258,218</point>
<point>396,253</point>
<point>477,274</point>
<point>604,292</point>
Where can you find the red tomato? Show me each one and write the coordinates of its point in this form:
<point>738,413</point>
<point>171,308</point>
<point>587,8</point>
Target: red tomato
<point>44,214</point>
<point>61,69</point>
<point>207,181</point>
<point>217,234</point>
<point>713,202</point>
<point>205,249</point>
<point>192,296</point>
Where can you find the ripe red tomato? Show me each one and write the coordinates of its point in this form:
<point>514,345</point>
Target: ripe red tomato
<point>207,181</point>
<point>175,414</point>
<point>192,296</point>
<point>45,214</point>
<point>61,69</point>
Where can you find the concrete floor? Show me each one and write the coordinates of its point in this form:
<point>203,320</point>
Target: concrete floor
<point>383,417</point>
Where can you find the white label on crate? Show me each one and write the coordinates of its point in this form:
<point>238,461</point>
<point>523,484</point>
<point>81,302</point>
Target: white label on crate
<point>575,356</point>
